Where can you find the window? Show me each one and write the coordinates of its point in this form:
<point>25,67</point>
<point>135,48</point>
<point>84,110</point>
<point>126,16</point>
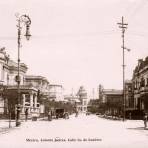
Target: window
<point>84,102</point>
<point>146,81</point>
<point>27,98</point>
<point>142,82</point>
<point>135,84</point>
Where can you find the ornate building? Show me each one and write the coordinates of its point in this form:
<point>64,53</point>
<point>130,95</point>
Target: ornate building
<point>42,86</point>
<point>140,85</point>
<point>82,96</point>
<point>8,73</point>
<point>79,100</point>
<point>9,88</point>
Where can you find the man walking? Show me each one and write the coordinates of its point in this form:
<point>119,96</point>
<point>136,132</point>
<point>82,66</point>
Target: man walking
<point>145,120</point>
<point>26,114</point>
<point>49,115</point>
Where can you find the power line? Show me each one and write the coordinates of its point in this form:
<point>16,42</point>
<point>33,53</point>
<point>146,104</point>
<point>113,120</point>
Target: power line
<point>136,8</point>
<point>109,32</point>
<point>135,33</point>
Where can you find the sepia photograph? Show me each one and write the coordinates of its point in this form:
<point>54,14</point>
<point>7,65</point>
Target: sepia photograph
<point>73,74</point>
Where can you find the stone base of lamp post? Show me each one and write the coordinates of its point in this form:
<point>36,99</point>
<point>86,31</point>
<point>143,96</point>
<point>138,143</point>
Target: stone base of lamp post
<point>18,122</point>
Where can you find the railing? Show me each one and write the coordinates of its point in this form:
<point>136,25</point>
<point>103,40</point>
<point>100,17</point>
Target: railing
<point>144,89</point>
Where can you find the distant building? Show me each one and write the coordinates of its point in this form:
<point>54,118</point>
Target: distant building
<point>73,99</point>
<point>56,92</point>
<point>111,101</point>
<point>82,95</point>
<point>93,105</point>
<point>79,100</point>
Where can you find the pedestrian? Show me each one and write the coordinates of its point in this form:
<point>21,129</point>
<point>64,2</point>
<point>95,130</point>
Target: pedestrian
<point>145,120</point>
<point>49,116</point>
<point>130,115</point>
<point>76,115</point>
<point>26,114</point>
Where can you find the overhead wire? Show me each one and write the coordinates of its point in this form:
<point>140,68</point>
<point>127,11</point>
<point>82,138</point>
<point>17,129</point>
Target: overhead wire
<point>107,32</point>
<point>131,12</point>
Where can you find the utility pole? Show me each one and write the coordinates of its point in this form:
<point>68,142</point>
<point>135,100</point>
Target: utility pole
<point>123,26</point>
<point>72,92</point>
<point>93,93</point>
<point>98,92</point>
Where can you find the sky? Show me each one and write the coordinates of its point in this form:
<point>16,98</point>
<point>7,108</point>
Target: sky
<point>77,42</point>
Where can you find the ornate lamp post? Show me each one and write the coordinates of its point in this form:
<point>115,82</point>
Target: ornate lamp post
<point>22,20</point>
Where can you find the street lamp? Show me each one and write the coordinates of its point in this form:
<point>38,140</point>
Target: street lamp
<point>22,20</point>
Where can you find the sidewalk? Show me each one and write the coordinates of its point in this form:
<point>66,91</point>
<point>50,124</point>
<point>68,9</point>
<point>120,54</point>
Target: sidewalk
<point>5,125</point>
<point>129,124</point>
<point>110,117</point>
<point>136,125</point>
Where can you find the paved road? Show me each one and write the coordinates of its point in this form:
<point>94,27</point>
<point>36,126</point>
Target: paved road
<point>81,132</point>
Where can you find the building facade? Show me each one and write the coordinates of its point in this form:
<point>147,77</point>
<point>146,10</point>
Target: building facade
<point>82,96</point>
<point>111,101</point>
<point>56,92</point>
<point>78,100</point>
<point>8,74</point>
<point>140,85</point>
<point>9,88</point>
<point>42,86</point>
<point>129,97</point>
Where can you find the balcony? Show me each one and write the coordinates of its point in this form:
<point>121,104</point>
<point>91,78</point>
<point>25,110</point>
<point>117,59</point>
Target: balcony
<point>144,89</point>
<point>45,93</point>
<point>136,91</point>
<point>27,104</point>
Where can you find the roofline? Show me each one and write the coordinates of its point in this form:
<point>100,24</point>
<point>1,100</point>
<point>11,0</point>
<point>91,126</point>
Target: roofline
<point>33,77</point>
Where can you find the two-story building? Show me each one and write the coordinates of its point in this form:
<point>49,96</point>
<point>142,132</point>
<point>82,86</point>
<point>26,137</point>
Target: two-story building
<point>111,101</point>
<point>9,88</point>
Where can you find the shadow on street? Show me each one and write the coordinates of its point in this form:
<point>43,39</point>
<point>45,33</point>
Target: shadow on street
<point>138,128</point>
